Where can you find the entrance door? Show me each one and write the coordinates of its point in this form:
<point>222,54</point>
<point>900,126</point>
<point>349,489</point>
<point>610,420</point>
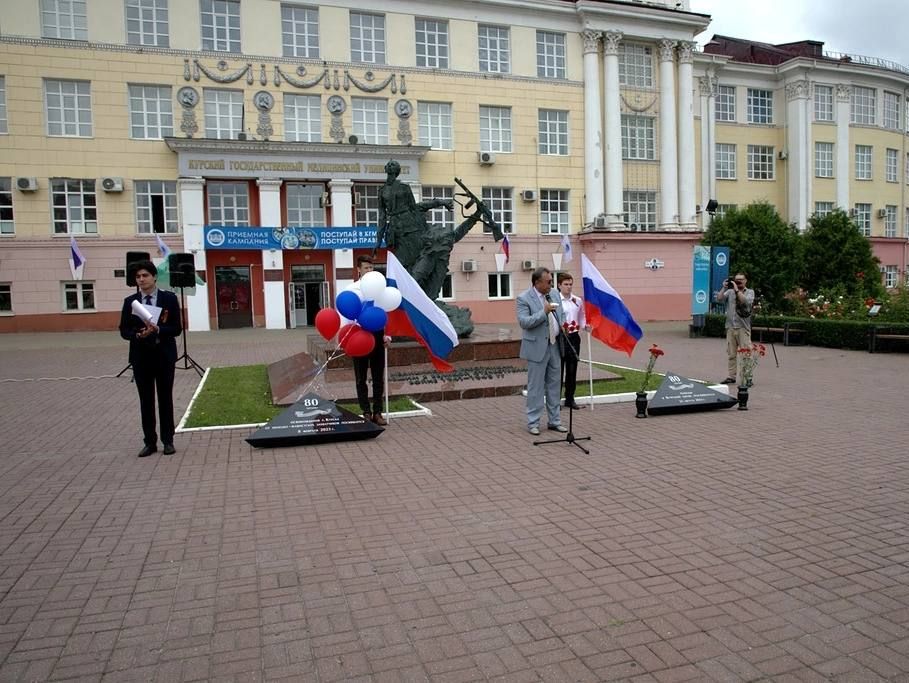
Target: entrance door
<point>308,293</point>
<point>234,292</point>
<point>296,295</point>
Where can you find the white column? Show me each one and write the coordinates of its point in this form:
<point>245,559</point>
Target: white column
<point>593,129</point>
<point>798,174</point>
<point>843,97</point>
<point>272,259</point>
<point>707,90</point>
<point>669,168</point>
<point>192,213</point>
<point>341,215</point>
<point>613,113</point>
<point>687,216</point>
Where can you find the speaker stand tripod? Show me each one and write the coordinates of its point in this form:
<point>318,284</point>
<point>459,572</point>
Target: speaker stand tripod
<point>570,438</point>
<point>188,362</point>
<point>129,366</point>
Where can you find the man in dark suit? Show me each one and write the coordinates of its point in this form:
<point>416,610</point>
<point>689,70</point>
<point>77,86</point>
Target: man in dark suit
<point>153,355</point>
<point>373,363</point>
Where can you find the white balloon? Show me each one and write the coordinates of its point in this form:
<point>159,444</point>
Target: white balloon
<point>372,284</point>
<point>389,299</point>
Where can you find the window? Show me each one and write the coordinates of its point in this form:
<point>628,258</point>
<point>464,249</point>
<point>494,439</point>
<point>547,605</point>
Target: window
<point>550,55</point>
<point>821,209</point>
<point>7,226</point>
<point>74,205</point>
<point>725,161</point>
<point>823,103</point>
<point>370,120</point>
<point>223,113</point>
<point>640,209</point>
<point>554,212</point>
<point>147,23</point>
<point>863,154</point>
<point>221,25</point>
<point>78,296</point>
<point>823,159</point>
<point>760,106</point>
<point>893,156</point>
<point>500,203</point>
<point>69,108</point>
<point>435,124</point>
<point>499,285</point>
<point>891,274</point>
<point>495,129</point>
<point>635,65</point>
<point>447,291</point>
<point>300,31</point>
<point>637,137</point>
<point>228,203</point>
<point>3,122</point>
<point>723,209</point>
<point>890,220</point>
<point>725,103</point>
<point>863,218</point>
<point>304,205</point>
<point>64,19</point>
<point>891,110</point>
<point>6,298</point>
<point>367,38</point>
<point>760,162</point>
<point>494,49</point>
<point>150,112</point>
<point>439,216</point>
<point>156,207</point>
<point>553,131</point>
<point>302,118</point>
<point>432,43</point>
<point>366,204</point>
<point>863,105</point>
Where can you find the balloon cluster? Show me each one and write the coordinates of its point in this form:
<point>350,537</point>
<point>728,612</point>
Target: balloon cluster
<point>367,301</point>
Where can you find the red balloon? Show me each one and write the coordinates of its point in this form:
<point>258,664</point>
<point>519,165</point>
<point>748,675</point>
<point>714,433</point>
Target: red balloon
<point>327,322</point>
<point>361,343</point>
<point>346,333</point>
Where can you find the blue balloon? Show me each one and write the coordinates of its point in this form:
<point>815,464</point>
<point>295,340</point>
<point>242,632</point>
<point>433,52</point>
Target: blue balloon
<point>373,319</point>
<point>349,305</point>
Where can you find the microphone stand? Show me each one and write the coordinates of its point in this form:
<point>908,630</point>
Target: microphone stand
<point>570,438</point>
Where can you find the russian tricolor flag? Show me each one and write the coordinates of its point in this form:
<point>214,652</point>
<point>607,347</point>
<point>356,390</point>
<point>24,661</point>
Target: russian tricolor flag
<point>419,317</point>
<point>610,320</point>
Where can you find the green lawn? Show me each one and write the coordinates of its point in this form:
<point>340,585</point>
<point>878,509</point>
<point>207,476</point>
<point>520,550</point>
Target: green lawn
<point>241,395</point>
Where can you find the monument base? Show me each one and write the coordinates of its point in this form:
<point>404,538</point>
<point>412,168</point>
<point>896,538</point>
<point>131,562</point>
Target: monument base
<point>313,420</point>
<point>677,394</point>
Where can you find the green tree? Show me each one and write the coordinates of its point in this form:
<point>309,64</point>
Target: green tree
<point>837,254</point>
<point>762,246</point>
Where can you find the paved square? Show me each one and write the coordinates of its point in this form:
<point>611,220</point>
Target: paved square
<point>771,544</point>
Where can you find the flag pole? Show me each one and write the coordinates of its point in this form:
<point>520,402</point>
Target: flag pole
<point>387,404</point>
<point>590,367</point>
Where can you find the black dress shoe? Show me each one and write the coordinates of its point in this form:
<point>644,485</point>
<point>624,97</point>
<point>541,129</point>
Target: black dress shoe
<point>573,406</point>
<point>169,449</point>
<point>147,451</point>
<point>728,380</point>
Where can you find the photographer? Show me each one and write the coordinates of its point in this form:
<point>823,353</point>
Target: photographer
<point>739,302</point>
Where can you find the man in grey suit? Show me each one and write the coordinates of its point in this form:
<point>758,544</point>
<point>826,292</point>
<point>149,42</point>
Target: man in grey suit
<point>540,320</point>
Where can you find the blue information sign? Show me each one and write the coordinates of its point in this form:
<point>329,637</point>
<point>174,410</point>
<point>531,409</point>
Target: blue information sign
<point>229,237</point>
<point>700,286</point>
<point>719,271</point>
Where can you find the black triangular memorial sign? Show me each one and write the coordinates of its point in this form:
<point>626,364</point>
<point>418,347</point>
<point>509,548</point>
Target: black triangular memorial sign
<point>313,420</point>
<point>679,394</point>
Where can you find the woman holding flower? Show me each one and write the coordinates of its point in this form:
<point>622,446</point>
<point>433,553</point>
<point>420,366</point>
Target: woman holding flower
<point>573,321</point>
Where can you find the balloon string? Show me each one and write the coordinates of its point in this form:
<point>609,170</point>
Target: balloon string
<point>336,353</point>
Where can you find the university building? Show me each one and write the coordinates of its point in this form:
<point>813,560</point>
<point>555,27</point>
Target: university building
<point>253,134</point>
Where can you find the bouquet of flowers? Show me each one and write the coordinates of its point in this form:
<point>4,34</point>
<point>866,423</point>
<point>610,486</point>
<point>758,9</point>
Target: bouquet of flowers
<point>655,352</point>
<point>750,358</point>
<point>570,326</point>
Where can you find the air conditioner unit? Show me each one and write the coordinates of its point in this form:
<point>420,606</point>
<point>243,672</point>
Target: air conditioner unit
<point>783,155</point>
<point>469,266</point>
<point>112,184</point>
<point>529,195</point>
<point>853,213</point>
<point>486,158</point>
<point>599,222</point>
<point>634,227</point>
<point>882,213</point>
<point>324,200</point>
<point>27,184</point>
<point>528,264</point>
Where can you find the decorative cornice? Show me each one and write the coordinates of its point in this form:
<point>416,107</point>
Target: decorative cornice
<point>197,183</point>
<point>269,183</point>
<point>667,50</point>
<point>277,147</point>
<point>686,51</point>
<point>843,92</point>
<point>591,41</point>
<point>636,102</point>
<point>611,40</point>
<point>798,90</point>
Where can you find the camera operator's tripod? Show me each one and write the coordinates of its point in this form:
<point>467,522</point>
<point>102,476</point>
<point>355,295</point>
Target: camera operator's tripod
<point>759,304</point>
<point>569,436</point>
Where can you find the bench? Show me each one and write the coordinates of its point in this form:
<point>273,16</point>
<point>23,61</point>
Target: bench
<point>879,332</point>
<point>786,331</point>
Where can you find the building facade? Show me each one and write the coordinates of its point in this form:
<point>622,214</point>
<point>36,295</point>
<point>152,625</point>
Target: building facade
<point>253,134</point>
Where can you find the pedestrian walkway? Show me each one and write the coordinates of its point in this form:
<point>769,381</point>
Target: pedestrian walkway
<point>771,544</point>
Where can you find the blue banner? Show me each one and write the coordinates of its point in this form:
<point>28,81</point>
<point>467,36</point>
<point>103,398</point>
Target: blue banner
<point>700,285</point>
<point>289,239</point>
<point>719,271</point>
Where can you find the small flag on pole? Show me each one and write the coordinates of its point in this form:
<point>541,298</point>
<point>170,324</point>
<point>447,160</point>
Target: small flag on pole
<point>163,249</point>
<point>566,248</point>
<point>76,259</point>
<point>506,248</point>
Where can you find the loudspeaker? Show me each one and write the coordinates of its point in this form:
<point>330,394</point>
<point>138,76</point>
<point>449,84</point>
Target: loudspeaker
<point>132,258</point>
<point>182,270</point>
<point>711,205</point>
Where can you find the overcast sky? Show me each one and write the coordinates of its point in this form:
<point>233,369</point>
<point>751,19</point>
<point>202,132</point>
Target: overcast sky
<point>876,28</point>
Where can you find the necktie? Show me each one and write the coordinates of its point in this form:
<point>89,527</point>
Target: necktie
<point>553,326</point>
<point>148,299</point>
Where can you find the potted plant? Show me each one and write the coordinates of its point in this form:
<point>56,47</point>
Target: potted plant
<point>750,357</point>
<point>640,400</point>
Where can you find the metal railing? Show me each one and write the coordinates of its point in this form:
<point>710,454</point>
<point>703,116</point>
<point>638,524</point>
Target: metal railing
<point>867,61</point>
